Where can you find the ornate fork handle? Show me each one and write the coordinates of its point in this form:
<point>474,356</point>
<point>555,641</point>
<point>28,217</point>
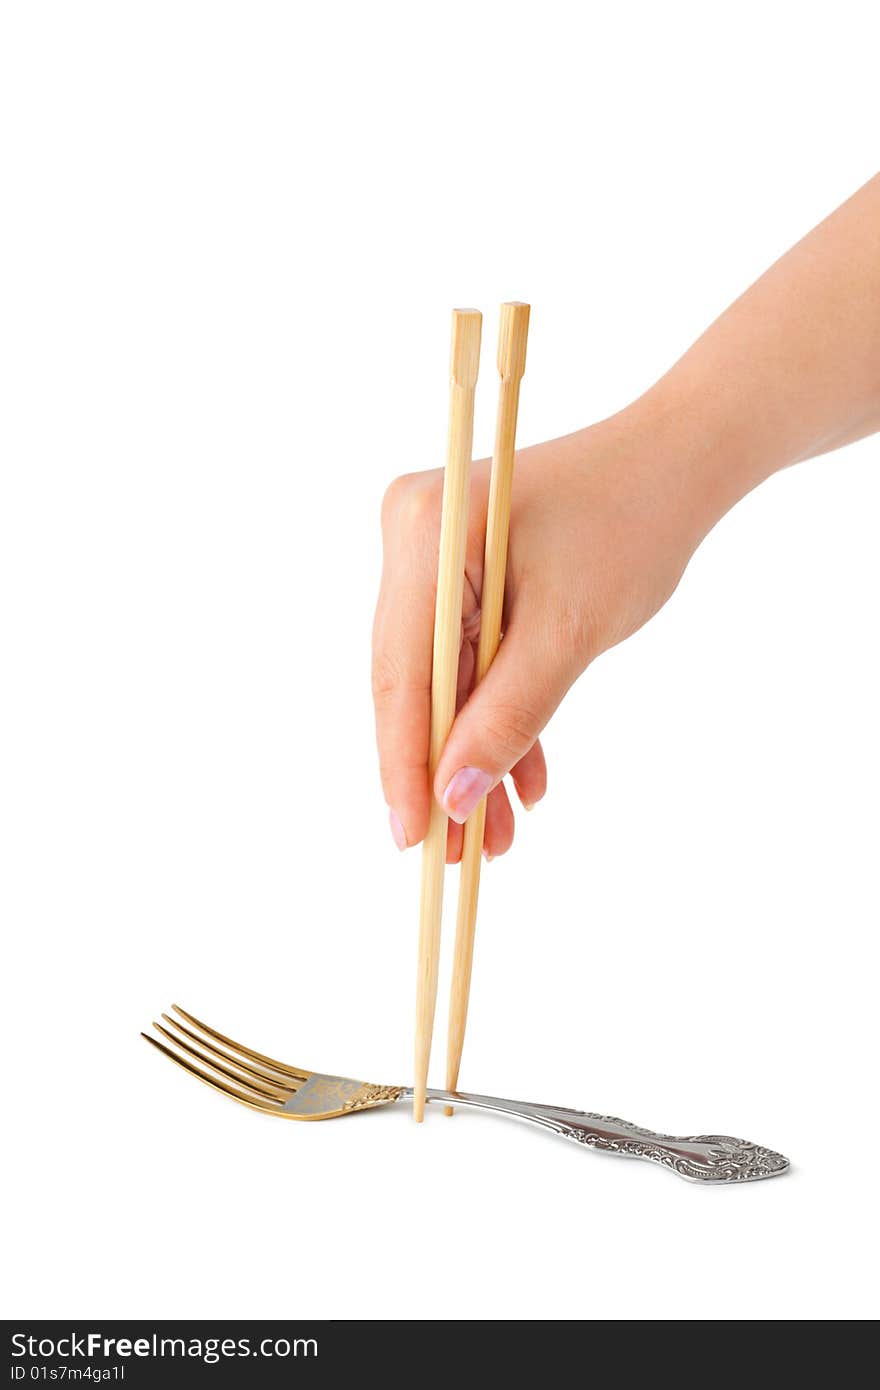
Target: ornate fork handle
<point>713,1158</point>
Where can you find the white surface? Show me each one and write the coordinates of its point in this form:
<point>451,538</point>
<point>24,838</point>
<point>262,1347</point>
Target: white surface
<point>221,219</point>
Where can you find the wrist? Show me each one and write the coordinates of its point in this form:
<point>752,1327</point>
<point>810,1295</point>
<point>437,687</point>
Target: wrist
<point>696,457</point>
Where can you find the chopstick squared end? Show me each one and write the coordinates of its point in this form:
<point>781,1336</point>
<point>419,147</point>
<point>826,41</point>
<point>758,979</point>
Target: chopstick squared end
<point>464,352</point>
<point>513,332</point>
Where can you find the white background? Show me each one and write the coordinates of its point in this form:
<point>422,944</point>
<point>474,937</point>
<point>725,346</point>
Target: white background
<point>231,240</point>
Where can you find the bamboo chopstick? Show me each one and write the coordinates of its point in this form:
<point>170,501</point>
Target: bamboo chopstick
<point>513,332</point>
<point>464,367</point>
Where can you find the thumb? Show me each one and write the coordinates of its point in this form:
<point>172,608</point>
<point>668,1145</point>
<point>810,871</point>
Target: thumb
<point>501,720</point>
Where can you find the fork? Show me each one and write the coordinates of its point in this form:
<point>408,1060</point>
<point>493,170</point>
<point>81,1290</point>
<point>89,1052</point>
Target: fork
<point>274,1088</point>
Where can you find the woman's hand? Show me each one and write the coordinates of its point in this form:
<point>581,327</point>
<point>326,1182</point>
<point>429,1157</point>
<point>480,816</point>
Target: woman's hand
<point>605,520</point>
<point>598,541</point>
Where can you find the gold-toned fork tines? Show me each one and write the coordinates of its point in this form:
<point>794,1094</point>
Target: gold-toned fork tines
<point>292,1093</point>
<point>259,1081</point>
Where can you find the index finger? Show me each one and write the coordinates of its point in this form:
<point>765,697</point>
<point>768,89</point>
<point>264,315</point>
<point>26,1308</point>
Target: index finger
<point>402,652</point>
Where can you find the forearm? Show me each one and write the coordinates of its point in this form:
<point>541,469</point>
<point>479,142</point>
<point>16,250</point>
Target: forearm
<point>789,371</point>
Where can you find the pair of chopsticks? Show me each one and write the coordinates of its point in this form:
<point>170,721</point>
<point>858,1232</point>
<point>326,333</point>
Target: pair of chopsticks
<point>464,368</point>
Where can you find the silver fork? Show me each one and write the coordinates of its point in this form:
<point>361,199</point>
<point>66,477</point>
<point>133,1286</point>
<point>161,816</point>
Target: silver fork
<point>291,1093</point>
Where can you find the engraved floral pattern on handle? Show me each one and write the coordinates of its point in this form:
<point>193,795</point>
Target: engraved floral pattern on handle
<point>701,1157</point>
<point>708,1158</point>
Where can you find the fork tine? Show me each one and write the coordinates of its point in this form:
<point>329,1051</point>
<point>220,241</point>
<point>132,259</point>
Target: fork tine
<point>240,1047</point>
<point>253,1069</point>
<point>256,1103</point>
<point>201,1054</point>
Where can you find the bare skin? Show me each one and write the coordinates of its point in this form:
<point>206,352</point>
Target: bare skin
<point>605,520</point>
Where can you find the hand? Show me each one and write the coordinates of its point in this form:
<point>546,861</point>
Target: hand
<point>605,520</point>
<point>598,541</point>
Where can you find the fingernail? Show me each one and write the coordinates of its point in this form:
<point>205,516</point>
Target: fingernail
<point>466,789</point>
<point>487,856</point>
<point>528,805</point>
<point>398,834</point>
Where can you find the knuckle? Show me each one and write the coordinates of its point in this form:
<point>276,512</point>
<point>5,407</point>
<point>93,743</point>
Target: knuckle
<point>510,730</point>
<point>386,675</point>
<point>394,496</point>
<point>412,501</point>
<point>404,775</point>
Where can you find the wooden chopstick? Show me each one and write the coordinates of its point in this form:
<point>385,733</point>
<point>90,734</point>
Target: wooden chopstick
<point>464,367</point>
<point>513,334</point>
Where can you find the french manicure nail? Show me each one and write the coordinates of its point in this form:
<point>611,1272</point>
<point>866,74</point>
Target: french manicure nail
<point>464,791</point>
<point>398,834</point>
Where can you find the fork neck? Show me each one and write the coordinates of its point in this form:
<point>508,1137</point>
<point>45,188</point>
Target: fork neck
<point>520,1109</point>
